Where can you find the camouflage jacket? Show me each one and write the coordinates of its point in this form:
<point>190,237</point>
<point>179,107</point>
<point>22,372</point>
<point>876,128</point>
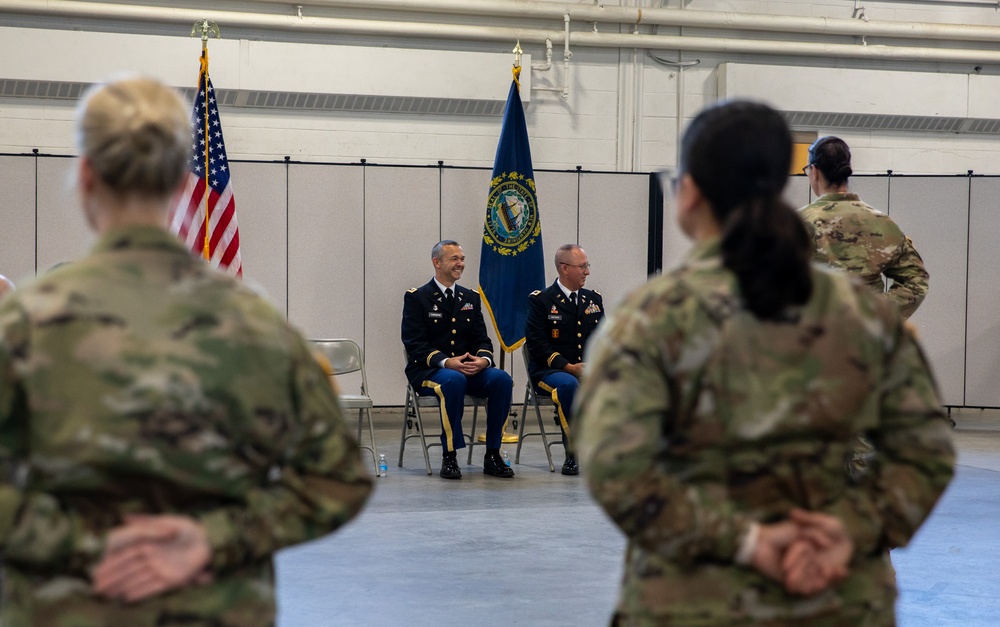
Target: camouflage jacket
<point>139,380</point>
<point>856,238</point>
<point>697,419</point>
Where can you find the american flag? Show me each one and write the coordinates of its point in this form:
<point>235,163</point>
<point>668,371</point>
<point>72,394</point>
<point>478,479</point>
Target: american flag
<point>187,219</point>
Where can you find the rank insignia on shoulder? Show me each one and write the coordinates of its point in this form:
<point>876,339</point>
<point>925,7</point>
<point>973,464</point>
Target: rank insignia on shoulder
<point>411,290</point>
<point>536,293</point>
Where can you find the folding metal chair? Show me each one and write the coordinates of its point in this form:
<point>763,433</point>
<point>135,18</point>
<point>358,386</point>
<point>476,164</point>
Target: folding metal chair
<point>412,419</point>
<point>345,357</point>
<point>537,402</point>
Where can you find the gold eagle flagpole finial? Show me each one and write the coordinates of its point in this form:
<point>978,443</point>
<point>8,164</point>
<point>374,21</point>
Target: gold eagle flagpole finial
<point>205,28</point>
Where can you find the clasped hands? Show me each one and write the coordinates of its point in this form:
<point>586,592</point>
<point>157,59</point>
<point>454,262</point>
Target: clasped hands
<point>149,555</point>
<point>467,364</point>
<point>807,553</point>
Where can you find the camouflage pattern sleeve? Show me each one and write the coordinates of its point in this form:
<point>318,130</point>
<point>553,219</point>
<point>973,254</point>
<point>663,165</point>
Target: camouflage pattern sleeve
<point>910,279</point>
<point>320,485</point>
<point>915,456</point>
<point>34,528</point>
<point>624,405</point>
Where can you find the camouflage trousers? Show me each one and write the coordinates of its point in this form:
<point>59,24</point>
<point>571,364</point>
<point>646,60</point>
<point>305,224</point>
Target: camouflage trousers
<point>851,616</point>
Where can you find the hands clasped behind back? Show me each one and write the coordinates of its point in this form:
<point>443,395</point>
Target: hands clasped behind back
<point>808,552</point>
<point>149,555</point>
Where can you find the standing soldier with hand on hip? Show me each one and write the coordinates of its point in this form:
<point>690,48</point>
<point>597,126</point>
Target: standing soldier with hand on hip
<point>853,237</point>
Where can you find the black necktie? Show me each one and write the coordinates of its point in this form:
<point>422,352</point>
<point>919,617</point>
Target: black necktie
<point>449,299</point>
<point>572,299</point>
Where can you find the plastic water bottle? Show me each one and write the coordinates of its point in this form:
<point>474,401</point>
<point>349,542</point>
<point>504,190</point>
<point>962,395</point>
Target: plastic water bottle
<point>506,458</point>
<point>383,466</point>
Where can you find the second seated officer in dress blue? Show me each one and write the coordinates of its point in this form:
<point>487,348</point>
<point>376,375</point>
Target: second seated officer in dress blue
<point>560,321</point>
<point>449,355</point>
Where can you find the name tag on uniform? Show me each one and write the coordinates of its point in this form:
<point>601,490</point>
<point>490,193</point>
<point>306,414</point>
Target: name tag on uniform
<point>435,314</point>
<point>556,317</point>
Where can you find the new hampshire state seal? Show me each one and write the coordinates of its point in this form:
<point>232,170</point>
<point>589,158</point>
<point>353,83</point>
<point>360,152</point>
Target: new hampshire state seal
<point>512,216</point>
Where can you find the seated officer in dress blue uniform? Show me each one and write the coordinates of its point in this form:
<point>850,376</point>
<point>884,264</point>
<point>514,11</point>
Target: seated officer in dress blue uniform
<point>560,320</point>
<point>450,355</point>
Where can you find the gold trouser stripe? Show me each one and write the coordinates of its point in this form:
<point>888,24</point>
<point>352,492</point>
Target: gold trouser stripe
<point>445,423</point>
<point>559,408</point>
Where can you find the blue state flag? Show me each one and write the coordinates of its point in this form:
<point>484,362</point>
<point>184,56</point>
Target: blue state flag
<point>511,264</point>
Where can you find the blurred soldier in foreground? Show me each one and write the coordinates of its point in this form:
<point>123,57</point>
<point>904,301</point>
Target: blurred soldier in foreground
<point>163,431</point>
<point>724,397</point>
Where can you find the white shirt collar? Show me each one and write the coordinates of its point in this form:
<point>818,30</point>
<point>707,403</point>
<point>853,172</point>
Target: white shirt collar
<point>565,290</point>
<point>454,288</point>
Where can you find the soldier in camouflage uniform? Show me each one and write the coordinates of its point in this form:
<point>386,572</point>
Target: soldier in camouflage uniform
<point>856,238</point>
<point>138,381</point>
<point>724,397</point>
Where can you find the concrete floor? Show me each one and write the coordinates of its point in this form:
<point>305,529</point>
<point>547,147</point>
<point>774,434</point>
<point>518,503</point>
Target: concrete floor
<point>537,551</point>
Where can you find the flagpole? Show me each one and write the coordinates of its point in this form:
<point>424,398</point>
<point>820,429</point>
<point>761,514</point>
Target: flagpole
<point>205,28</point>
<point>509,438</point>
<point>516,70</point>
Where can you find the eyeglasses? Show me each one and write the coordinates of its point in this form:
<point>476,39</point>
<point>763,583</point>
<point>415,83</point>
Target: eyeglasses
<point>805,168</point>
<point>582,266</point>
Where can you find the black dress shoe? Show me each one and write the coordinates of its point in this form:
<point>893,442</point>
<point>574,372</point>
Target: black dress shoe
<point>450,469</point>
<point>570,467</point>
<point>494,466</point>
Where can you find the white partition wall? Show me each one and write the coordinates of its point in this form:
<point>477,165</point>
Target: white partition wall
<point>982,383</point>
<point>326,252</point>
<point>933,212</point>
<point>558,206</point>
<point>336,246</point>
<point>402,223</point>
<point>463,210</point>
<point>873,190</point>
<point>615,232</point>
<point>260,190</point>
<point>17,237</point>
<point>63,234</point>
<point>797,192</point>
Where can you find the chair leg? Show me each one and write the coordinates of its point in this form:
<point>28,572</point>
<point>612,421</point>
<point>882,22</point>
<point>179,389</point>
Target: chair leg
<point>545,440</point>
<point>371,436</point>
<point>406,419</point>
<point>520,430</point>
<point>423,440</point>
<point>472,434</point>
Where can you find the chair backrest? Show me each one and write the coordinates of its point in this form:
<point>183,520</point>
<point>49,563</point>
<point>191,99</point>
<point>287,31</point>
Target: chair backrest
<point>345,357</point>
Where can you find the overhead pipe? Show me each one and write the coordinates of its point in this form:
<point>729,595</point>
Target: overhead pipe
<point>383,29</point>
<point>798,25</point>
